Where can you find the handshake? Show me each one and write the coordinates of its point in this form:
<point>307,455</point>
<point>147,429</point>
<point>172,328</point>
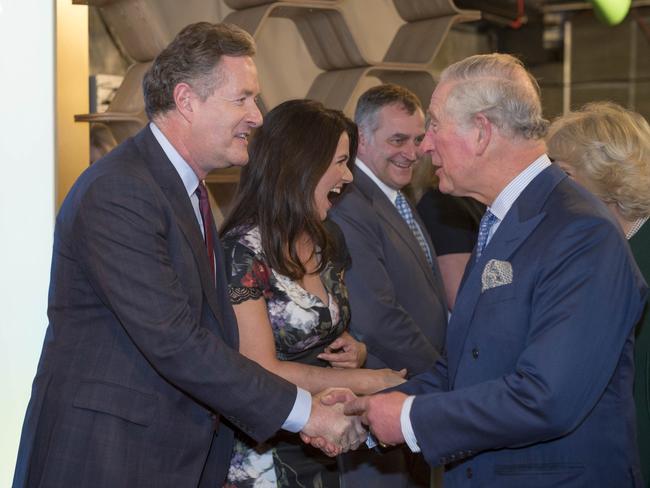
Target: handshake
<point>339,419</point>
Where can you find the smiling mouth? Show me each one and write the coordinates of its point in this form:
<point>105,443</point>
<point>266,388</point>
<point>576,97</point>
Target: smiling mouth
<point>402,164</point>
<point>243,136</point>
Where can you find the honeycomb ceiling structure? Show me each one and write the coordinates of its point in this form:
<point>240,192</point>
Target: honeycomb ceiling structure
<point>329,50</point>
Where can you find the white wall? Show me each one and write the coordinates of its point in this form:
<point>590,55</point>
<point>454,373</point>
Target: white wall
<point>27,185</point>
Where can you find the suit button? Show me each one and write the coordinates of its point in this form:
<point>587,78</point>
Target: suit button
<point>475,353</point>
<point>469,473</point>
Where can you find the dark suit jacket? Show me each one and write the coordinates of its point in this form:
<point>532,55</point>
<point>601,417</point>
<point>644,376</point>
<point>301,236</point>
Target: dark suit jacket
<point>397,302</point>
<point>140,352</point>
<point>539,370</point>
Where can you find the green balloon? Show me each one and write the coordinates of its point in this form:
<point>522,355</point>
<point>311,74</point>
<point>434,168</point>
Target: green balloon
<point>611,12</point>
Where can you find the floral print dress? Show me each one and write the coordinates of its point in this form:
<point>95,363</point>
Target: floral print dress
<point>302,326</point>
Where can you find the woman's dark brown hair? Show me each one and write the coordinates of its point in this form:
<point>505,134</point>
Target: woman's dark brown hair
<point>288,156</point>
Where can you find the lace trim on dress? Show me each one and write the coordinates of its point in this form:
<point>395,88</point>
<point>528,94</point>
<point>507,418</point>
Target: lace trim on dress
<point>239,294</point>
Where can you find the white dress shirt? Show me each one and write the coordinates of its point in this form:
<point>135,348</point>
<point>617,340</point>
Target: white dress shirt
<point>387,190</point>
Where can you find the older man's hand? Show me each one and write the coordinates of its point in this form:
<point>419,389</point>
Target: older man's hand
<point>381,413</point>
<point>328,428</point>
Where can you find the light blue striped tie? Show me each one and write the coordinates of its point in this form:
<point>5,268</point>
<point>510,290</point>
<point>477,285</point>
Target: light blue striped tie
<point>405,211</point>
<point>487,221</point>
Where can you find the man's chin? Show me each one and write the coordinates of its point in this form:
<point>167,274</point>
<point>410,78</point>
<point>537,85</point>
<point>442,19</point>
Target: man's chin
<point>403,177</point>
<point>443,187</point>
<point>240,161</point>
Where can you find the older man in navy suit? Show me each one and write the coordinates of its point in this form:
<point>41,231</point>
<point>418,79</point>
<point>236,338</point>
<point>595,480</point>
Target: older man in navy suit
<point>140,382</point>
<point>536,386</point>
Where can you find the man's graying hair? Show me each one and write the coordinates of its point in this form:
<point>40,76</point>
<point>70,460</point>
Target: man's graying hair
<point>499,87</point>
<point>378,97</point>
<point>191,58</point>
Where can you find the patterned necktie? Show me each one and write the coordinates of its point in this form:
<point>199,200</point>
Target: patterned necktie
<point>208,222</point>
<point>487,221</point>
<point>405,211</point>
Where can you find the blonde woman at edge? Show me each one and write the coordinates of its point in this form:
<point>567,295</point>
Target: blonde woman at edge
<point>606,148</point>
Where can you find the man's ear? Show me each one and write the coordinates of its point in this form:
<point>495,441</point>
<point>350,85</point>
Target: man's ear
<point>483,133</point>
<point>363,141</point>
<point>184,98</point>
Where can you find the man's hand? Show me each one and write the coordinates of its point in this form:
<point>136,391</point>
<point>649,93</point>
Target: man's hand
<point>328,428</point>
<point>380,412</point>
<point>345,352</point>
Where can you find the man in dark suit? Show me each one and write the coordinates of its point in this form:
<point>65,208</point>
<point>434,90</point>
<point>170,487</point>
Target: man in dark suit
<point>139,381</point>
<point>396,293</point>
<point>536,386</point>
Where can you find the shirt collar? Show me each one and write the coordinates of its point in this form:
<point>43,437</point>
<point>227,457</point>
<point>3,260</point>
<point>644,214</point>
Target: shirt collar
<point>391,193</point>
<point>187,174</point>
<point>511,192</point>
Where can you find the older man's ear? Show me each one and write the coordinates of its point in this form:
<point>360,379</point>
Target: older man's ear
<point>483,128</point>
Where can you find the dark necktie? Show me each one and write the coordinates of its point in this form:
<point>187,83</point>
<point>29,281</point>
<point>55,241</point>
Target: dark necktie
<point>208,222</point>
<point>405,211</point>
<point>487,221</point>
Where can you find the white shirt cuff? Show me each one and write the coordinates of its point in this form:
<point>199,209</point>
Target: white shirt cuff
<point>300,412</point>
<point>407,428</point>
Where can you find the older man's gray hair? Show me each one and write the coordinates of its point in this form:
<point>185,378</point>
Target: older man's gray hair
<point>499,87</point>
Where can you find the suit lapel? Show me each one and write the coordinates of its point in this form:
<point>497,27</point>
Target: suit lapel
<point>170,182</point>
<point>387,212</point>
<point>521,220</point>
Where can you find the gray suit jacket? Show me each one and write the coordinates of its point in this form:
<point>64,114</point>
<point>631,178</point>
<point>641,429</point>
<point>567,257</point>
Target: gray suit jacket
<point>397,301</point>
<point>140,356</point>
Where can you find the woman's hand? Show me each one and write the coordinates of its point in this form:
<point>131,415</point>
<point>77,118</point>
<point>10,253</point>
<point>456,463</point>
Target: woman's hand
<point>380,379</point>
<point>345,352</point>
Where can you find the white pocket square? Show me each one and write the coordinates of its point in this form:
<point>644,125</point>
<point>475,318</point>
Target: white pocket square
<point>496,273</point>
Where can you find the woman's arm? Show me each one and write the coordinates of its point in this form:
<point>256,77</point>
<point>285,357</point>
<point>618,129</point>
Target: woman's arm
<point>256,342</point>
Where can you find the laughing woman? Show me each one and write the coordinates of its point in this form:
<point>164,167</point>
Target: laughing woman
<point>286,266</point>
